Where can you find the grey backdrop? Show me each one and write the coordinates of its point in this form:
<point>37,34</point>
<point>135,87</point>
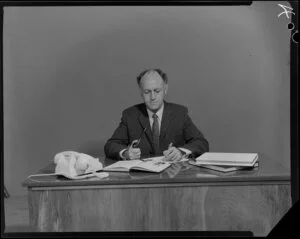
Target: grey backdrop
<point>70,71</point>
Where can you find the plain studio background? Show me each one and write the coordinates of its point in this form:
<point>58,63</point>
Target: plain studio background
<point>70,71</point>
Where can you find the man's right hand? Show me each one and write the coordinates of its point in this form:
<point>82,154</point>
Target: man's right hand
<point>132,153</point>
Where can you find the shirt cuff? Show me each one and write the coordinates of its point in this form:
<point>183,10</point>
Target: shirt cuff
<point>121,154</point>
<point>186,151</point>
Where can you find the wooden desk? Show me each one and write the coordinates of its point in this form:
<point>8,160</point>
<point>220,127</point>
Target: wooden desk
<point>182,198</point>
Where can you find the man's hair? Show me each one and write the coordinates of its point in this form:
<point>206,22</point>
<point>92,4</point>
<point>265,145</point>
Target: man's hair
<point>159,71</point>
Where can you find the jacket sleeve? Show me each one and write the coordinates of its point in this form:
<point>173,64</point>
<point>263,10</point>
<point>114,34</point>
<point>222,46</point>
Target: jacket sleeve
<point>194,139</point>
<point>118,141</point>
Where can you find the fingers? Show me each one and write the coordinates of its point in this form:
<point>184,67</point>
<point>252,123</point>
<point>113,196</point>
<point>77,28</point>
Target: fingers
<point>134,153</point>
<point>175,156</point>
<point>169,151</point>
<point>172,154</point>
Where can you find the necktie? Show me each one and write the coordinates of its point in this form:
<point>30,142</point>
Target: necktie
<point>155,133</point>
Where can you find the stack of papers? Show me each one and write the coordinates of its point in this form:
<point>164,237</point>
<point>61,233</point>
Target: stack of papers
<point>226,162</point>
<point>222,168</point>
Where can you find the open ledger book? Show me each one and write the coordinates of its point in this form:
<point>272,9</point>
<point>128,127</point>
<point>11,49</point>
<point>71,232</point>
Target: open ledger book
<point>150,165</point>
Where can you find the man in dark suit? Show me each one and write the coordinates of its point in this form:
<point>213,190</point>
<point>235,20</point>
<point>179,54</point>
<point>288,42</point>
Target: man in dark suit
<point>163,128</point>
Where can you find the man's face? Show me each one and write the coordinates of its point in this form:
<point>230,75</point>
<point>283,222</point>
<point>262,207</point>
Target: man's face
<point>153,90</point>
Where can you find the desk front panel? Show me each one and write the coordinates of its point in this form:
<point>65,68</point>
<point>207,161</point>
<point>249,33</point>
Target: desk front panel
<point>255,208</point>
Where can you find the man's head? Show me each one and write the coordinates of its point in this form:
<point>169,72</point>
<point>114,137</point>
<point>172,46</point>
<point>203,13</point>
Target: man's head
<point>153,85</point>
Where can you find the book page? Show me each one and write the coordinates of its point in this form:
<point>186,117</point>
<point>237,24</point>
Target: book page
<point>155,159</point>
<point>123,165</point>
<point>151,166</point>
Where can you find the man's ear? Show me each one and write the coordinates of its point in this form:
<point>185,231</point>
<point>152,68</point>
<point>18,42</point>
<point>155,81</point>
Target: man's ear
<point>141,92</point>
<point>166,89</point>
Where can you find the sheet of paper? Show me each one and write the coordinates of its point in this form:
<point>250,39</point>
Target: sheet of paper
<point>152,166</point>
<point>155,159</point>
<point>124,164</point>
<point>161,158</point>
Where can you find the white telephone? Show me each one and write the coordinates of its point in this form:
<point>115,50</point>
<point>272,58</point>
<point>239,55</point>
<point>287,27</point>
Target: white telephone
<point>73,164</point>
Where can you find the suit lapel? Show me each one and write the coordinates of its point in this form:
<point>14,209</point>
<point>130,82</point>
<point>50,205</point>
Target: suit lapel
<point>166,118</point>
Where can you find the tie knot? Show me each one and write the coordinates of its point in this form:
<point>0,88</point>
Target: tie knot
<point>154,116</point>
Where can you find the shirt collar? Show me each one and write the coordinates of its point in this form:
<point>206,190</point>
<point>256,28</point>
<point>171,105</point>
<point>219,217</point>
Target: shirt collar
<point>158,113</point>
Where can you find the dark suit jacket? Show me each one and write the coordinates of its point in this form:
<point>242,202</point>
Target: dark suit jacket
<point>176,127</point>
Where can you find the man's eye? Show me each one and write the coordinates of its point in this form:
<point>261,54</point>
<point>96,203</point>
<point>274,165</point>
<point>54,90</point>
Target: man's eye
<point>157,91</point>
<point>146,92</point>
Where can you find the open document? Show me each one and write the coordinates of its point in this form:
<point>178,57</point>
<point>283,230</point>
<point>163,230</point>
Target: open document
<point>155,165</point>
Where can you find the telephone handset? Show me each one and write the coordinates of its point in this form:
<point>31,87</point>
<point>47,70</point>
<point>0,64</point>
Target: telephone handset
<point>76,163</point>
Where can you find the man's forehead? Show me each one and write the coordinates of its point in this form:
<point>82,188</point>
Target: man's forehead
<point>152,75</point>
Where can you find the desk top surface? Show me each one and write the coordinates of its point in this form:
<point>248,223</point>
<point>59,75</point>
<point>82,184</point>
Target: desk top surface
<point>268,171</point>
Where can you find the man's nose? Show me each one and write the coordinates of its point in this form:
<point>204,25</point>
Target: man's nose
<point>153,95</point>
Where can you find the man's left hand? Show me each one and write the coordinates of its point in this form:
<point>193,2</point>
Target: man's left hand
<point>172,154</point>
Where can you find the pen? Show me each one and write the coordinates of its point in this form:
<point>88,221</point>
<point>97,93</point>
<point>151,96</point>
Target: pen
<point>170,146</point>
